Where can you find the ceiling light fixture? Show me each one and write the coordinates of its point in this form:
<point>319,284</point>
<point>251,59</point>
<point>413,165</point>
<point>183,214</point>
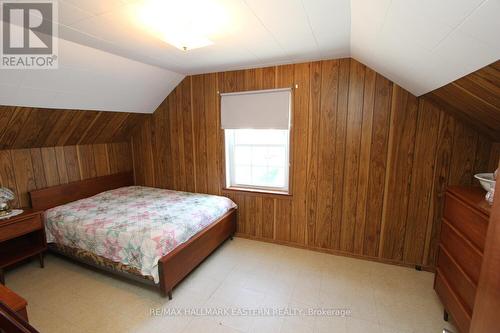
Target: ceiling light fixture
<point>185,24</point>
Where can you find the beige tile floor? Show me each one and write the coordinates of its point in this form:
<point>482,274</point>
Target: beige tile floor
<point>67,297</point>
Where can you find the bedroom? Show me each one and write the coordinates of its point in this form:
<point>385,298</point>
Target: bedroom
<point>210,165</point>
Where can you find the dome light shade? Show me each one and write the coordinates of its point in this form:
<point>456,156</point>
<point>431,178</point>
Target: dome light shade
<point>187,24</point>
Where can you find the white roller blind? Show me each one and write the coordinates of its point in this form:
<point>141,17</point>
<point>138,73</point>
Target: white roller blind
<point>262,109</point>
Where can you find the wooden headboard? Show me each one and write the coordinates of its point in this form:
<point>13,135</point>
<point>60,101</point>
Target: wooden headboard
<point>61,194</point>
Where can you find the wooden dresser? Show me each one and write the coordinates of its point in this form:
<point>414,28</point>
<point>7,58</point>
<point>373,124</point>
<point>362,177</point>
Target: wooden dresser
<point>461,246</point>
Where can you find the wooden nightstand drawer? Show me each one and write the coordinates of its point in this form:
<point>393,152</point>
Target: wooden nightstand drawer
<point>19,227</point>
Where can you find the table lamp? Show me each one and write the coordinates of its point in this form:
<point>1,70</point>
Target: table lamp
<point>6,195</point>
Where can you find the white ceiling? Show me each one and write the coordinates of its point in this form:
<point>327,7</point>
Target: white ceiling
<point>261,32</point>
<point>89,79</point>
<point>110,62</point>
<point>425,44</point>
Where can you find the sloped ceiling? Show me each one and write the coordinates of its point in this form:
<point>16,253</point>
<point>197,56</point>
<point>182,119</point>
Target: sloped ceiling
<point>89,79</point>
<point>475,98</point>
<point>425,44</point>
<point>22,127</point>
<point>114,63</point>
<point>259,33</point>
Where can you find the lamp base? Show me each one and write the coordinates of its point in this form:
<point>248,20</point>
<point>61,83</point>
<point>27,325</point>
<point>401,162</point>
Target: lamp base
<point>4,209</point>
<point>12,213</point>
<point>5,212</point>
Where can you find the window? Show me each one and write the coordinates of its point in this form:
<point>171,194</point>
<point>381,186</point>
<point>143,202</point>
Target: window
<point>257,159</point>
<point>257,139</point>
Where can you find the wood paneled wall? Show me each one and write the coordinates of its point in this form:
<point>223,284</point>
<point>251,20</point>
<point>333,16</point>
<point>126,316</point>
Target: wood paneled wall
<point>370,161</point>
<point>22,127</point>
<point>23,170</point>
<point>475,98</point>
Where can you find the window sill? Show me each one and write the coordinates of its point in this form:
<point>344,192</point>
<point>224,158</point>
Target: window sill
<point>257,191</point>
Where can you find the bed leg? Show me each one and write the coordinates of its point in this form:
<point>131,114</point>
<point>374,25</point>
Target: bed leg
<point>40,260</point>
<point>165,293</point>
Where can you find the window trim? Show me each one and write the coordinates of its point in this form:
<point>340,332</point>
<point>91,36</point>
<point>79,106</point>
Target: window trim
<point>265,193</point>
<point>230,184</point>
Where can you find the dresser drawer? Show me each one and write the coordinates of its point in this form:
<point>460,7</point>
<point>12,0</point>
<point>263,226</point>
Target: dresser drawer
<point>468,221</point>
<point>9,230</point>
<point>467,257</point>
<point>458,281</point>
<point>451,303</point>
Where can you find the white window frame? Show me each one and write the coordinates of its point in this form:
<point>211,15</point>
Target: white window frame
<point>230,166</point>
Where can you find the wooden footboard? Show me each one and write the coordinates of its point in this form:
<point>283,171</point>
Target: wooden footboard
<point>183,259</point>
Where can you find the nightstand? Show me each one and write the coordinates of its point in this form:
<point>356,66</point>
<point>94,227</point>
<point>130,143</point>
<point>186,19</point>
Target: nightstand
<point>21,237</point>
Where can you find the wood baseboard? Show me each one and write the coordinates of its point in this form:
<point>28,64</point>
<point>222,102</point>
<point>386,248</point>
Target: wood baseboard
<point>336,252</point>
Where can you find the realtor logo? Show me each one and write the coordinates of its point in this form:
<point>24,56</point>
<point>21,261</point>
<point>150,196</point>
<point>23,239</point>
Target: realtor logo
<point>29,34</point>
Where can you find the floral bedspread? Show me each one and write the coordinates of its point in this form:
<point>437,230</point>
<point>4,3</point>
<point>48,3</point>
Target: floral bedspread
<point>134,225</point>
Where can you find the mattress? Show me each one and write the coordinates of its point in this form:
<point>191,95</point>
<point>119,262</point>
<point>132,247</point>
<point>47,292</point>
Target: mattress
<point>135,225</point>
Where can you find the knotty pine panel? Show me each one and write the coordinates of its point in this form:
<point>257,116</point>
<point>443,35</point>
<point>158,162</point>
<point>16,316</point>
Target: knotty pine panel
<point>421,189</point>
<point>399,170</point>
<point>339,153</point>
<point>299,154</point>
<point>364,161</point>
<point>378,165</point>
<point>352,158</point>
<point>23,170</point>
<point>328,113</point>
<point>369,161</point>
<point>312,179</point>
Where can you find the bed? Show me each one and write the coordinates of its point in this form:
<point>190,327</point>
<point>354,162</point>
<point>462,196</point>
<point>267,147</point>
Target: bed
<point>151,235</point>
